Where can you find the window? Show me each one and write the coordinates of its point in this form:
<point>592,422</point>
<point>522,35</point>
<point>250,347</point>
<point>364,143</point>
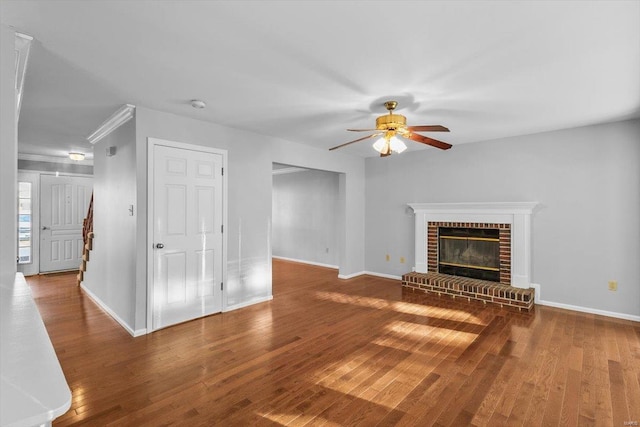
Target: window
<point>25,223</point>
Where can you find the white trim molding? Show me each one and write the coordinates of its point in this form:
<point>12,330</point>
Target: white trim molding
<point>292,169</point>
<point>518,214</point>
<point>301,261</point>
<point>117,119</point>
<point>614,314</point>
<point>247,303</point>
<point>369,273</point>
<point>383,275</point>
<point>350,276</point>
<point>23,46</point>
<point>106,309</point>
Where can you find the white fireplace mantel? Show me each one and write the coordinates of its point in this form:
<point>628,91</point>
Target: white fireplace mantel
<point>518,214</point>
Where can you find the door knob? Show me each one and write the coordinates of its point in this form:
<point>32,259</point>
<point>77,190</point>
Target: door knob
<point>44,227</point>
<point>159,245</point>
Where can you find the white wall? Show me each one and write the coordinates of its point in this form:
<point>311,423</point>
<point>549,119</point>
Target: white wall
<point>250,158</point>
<point>8,158</point>
<point>117,273</point>
<point>110,274</point>
<point>585,233</point>
<point>305,216</point>
<point>249,198</point>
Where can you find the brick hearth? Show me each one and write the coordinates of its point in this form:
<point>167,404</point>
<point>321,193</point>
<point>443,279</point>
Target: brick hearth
<point>463,287</point>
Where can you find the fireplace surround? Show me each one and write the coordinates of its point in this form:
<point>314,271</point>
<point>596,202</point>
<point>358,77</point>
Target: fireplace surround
<point>506,224</point>
<point>512,216</point>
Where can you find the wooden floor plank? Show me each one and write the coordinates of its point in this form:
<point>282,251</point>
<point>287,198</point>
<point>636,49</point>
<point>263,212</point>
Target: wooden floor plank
<point>330,352</point>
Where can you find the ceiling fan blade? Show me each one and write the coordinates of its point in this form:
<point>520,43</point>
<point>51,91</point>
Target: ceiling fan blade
<point>363,130</point>
<point>428,128</point>
<point>355,140</point>
<point>429,141</point>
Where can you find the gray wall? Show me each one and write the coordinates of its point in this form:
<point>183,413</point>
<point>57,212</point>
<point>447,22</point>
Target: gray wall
<point>111,270</point>
<point>305,216</point>
<point>8,158</point>
<point>585,232</point>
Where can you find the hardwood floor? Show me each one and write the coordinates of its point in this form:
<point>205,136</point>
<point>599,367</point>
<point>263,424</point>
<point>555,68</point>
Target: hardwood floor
<point>336,353</point>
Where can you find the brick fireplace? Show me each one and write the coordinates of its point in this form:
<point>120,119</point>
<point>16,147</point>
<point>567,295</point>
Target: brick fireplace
<point>507,223</point>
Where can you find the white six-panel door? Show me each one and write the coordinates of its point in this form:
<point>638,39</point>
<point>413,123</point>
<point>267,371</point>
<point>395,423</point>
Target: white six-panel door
<point>64,201</point>
<point>187,234</point>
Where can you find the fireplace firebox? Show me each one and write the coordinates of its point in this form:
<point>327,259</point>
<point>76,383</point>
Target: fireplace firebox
<point>469,252</point>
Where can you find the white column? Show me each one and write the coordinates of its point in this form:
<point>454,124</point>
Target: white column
<point>421,243</point>
<point>521,251</point>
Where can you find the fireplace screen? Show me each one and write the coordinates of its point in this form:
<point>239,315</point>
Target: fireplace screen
<point>469,252</point>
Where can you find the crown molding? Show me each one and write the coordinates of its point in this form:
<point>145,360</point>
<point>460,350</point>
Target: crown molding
<point>117,119</point>
<point>23,45</point>
<point>53,159</point>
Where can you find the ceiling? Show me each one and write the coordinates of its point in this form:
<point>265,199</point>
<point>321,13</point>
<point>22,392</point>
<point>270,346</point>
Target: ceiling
<point>306,71</point>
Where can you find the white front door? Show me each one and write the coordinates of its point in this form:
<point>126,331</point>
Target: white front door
<point>64,201</point>
<point>187,234</point>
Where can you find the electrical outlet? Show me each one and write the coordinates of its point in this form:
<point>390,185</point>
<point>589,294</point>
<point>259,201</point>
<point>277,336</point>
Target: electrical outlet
<point>613,285</point>
<point>388,257</point>
<point>401,260</point>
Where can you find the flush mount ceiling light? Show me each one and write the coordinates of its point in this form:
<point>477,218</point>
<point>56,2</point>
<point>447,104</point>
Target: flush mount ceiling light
<point>198,104</point>
<point>390,126</point>
<point>76,156</point>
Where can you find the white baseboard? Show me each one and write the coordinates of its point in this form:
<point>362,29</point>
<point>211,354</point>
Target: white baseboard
<point>370,273</point>
<point>590,310</point>
<point>335,267</point>
<point>247,303</point>
<point>539,300</point>
<point>319,264</point>
<point>386,276</point>
<point>350,276</point>
<point>536,296</point>
<point>106,309</point>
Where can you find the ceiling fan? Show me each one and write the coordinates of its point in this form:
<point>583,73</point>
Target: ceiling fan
<point>390,126</point>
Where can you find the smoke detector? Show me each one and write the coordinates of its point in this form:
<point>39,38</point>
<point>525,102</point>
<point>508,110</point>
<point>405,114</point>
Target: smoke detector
<point>198,104</point>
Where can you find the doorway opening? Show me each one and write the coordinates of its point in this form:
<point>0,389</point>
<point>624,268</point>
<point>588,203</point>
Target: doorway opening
<point>307,213</point>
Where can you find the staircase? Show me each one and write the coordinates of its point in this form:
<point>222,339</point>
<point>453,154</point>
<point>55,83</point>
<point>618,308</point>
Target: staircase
<point>87,237</point>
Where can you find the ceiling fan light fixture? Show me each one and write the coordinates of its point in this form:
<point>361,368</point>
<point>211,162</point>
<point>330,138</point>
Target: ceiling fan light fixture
<point>380,144</point>
<point>397,146</point>
<point>386,145</point>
